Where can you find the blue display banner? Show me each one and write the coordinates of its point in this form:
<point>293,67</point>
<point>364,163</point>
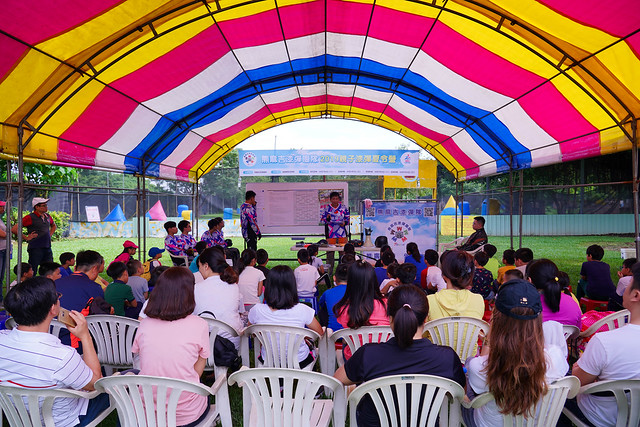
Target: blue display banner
<point>402,223</point>
<point>328,162</point>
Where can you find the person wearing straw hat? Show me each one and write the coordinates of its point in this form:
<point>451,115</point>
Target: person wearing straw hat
<point>40,227</point>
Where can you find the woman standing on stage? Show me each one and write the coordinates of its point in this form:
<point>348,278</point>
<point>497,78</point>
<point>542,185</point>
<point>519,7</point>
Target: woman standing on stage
<point>336,217</point>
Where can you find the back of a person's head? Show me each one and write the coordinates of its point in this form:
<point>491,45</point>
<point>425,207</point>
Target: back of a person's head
<point>172,297</point>
<point>509,256</point>
<point>303,256</point>
<point>25,267</point>
<point>524,254</point>
<point>408,306</point>
<point>200,246</point>
<point>216,261</point>
<point>169,224</point>
<point>247,256</point>
<point>262,256</point>
<point>313,250</point>
<point>348,259</point>
<point>387,257</point>
<point>86,260</point>
<point>29,302</point>
<point>412,249</point>
<point>406,273</point>
<point>564,281</point>
<point>361,292</point>
<point>458,267</point>
<point>490,249</point>
<point>392,270</point>
<point>431,257</point>
<point>635,283</point>
<point>116,270</point>
<point>596,252</point>
<point>341,273</point>
<point>544,275</point>
<point>480,219</point>
<point>628,262</point>
<point>212,223</point>
<point>280,291</point>
<point>66,256</point>
<point>249,194</point>
<point>512,274</point>
<point>349,248</point>
<point>133,266</point>
<point>155,273</point>
<point>47,268</point>
<point>481,258</point>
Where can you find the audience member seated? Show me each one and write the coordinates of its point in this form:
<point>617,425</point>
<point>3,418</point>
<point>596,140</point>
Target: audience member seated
<point>250,279</point>
<point>172,342</point>
<point>362,303</point>
<point>596,283</point>
<point>405,353</point>
<point>508,261</point>
<point>199,247</point>
<point>67,260</point>
<point>522,357</point>
<point>77,288</point>
<point>625,277</point>
<point>306,275</point>
<point>281,307</point>
<point>523,257</point>
<point>128,251</point>
<point>50,270</point>
<point>556,305</point>
<point>32,358</point>
<point>405,275</point>
<point>478,238</point>
<point>482,278</point>
<point>431,278</point>
<point>611,355</point>
<point>457,299</point>
<point>512,274</point>
<point>139,286</point>
<point>565,285</point>
<point>262,259</point>
<point>384,248</point>
<point>26,272</point>
<point>188,242</point>
<point>210,236</point>
<point>414,257</point>
<point>391,281</point>
<point>174,243</point>
<point>118,294</point>
<point>330,298</point>
<point>386,259</point>
<point>218,296</point>
<point>349,250</point>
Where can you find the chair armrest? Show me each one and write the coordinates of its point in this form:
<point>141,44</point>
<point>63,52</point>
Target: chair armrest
<point>218,383</point>
<point>82,394</point>
<point>478,401</point>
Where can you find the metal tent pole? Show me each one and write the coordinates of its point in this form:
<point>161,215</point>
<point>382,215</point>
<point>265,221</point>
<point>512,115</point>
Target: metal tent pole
<point>7,256</point>
<point>520,207</point>
<point>511,206</point>
<point>196,207</point>
<point>138,211</point>
<point>20,199</point>
<point>636,202</point>
<point>141,254</point>
<point>461,209</point>
<point>455,211</point>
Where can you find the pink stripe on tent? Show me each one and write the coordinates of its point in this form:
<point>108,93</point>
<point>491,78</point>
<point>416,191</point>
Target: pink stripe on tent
<point>580,148</point>
<point>254,30</point>
<point>348,17</point>
<point>10,51</point>
<point>413,126</point>
<point>454,151</point>
<point>95,126</point>
<point>399,27</point>
<point>302,19</point>
<point>162,74</point>
<point>35,22</point>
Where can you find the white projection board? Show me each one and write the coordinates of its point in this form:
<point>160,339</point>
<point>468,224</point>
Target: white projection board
<point>294,208</point>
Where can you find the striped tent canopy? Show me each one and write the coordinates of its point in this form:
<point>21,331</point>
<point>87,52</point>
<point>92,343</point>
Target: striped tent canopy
<point>166,88</point>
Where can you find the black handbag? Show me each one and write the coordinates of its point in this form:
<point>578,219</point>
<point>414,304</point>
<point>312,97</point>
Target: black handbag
<point>224,352</point>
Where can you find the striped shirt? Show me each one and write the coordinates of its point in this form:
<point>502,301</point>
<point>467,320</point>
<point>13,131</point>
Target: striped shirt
<point>39,360</point>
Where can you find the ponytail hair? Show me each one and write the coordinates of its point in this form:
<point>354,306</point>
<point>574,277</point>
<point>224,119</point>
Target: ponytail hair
<point>408,306</point>
<point>544,275</point>
<point>215,259</point>
<point>565,282</point>
<point>458,267</point>
<point>245,259</point>
<point>412,249</point>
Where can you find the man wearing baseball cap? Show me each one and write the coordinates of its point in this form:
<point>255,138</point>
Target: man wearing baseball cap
<point>40,227</point>
<point>3,246</point>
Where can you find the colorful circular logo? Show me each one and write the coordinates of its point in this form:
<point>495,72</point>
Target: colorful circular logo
<point>406,159</point>
<point>249,159</point>
<point>399,232</point>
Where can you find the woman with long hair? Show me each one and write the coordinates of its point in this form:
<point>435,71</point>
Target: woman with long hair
<point>556,305</point>
<point>282,307</point>
<point>250,279</point>
<point>457,299</point>
<point>172,342</point>
<point>522,357</point>
<point>362,303</point>
<point>406,353</point>
<point>414,257</point>
<point>218,296</point>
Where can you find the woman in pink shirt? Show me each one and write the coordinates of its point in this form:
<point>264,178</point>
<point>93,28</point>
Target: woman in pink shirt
<point>171,342</point>
<point>362,303</point>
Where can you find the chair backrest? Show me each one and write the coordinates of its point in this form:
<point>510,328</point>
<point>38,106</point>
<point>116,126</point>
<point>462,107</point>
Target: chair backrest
<point>411,400</point>
<point>286,397</point>
<point>54,329</point>
<point>280,344</point>
<point>34,407</point>
<point>134,396</point>
<point>215,327</point>
<point>612,321</point>
<point>546,411</point>
<point>10,323</point>
<point>356,338</point>
<point>570,331</point>
<point>113,336</point>
<point>627,394</point>
<point>459,333</point>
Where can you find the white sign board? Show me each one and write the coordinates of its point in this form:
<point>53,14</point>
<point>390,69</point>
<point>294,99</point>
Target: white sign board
<point>93,213</point>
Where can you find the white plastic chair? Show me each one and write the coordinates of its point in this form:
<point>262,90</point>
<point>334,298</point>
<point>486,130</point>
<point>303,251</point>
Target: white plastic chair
<point>54,329</point>
<point>354,339</point>
<point>277,397</point>
<point>451,245</point>
<point>113,336</point>
<point>30,407</point>
<point>627,394</point>
<point>547,410</point>
<point>612,321</point>
<point>570,331</point>
<point>411,400</point>
<point>133,396</point>
<point>10,323</point>
<point>460,333</point>
<point>281,344</point>
<point>215,327</point>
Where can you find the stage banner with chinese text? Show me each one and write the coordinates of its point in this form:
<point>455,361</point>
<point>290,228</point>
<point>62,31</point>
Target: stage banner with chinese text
<point>328,162</point>
<point>403,222</point>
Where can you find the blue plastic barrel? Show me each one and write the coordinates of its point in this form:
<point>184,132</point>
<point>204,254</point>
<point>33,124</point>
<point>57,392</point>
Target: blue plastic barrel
<point>182,208</point>
<point>227,213</point>
<point>484,207</point>
<point>464,207</point>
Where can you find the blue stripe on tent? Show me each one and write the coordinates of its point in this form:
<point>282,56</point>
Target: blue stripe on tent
<point>414,89</point>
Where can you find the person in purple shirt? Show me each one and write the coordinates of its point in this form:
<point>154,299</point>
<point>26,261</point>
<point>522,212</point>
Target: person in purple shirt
<point>249,221</point>
<point>597,275</point>
<point>556,305</point>
<point>209,236</point>
<point>67,260</point>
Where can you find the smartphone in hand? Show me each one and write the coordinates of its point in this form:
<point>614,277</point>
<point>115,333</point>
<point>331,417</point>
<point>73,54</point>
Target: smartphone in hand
<point>66,318</point>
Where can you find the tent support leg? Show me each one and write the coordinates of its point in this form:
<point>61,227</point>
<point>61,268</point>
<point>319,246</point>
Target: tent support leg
<point>636,202</point>
<point>144,216</point>
<point>520,207</point>
<point>20,199</point>
<point>511,207</point>
<point>138,211</point>
<point>7,257</point>
<point>455,212</point>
